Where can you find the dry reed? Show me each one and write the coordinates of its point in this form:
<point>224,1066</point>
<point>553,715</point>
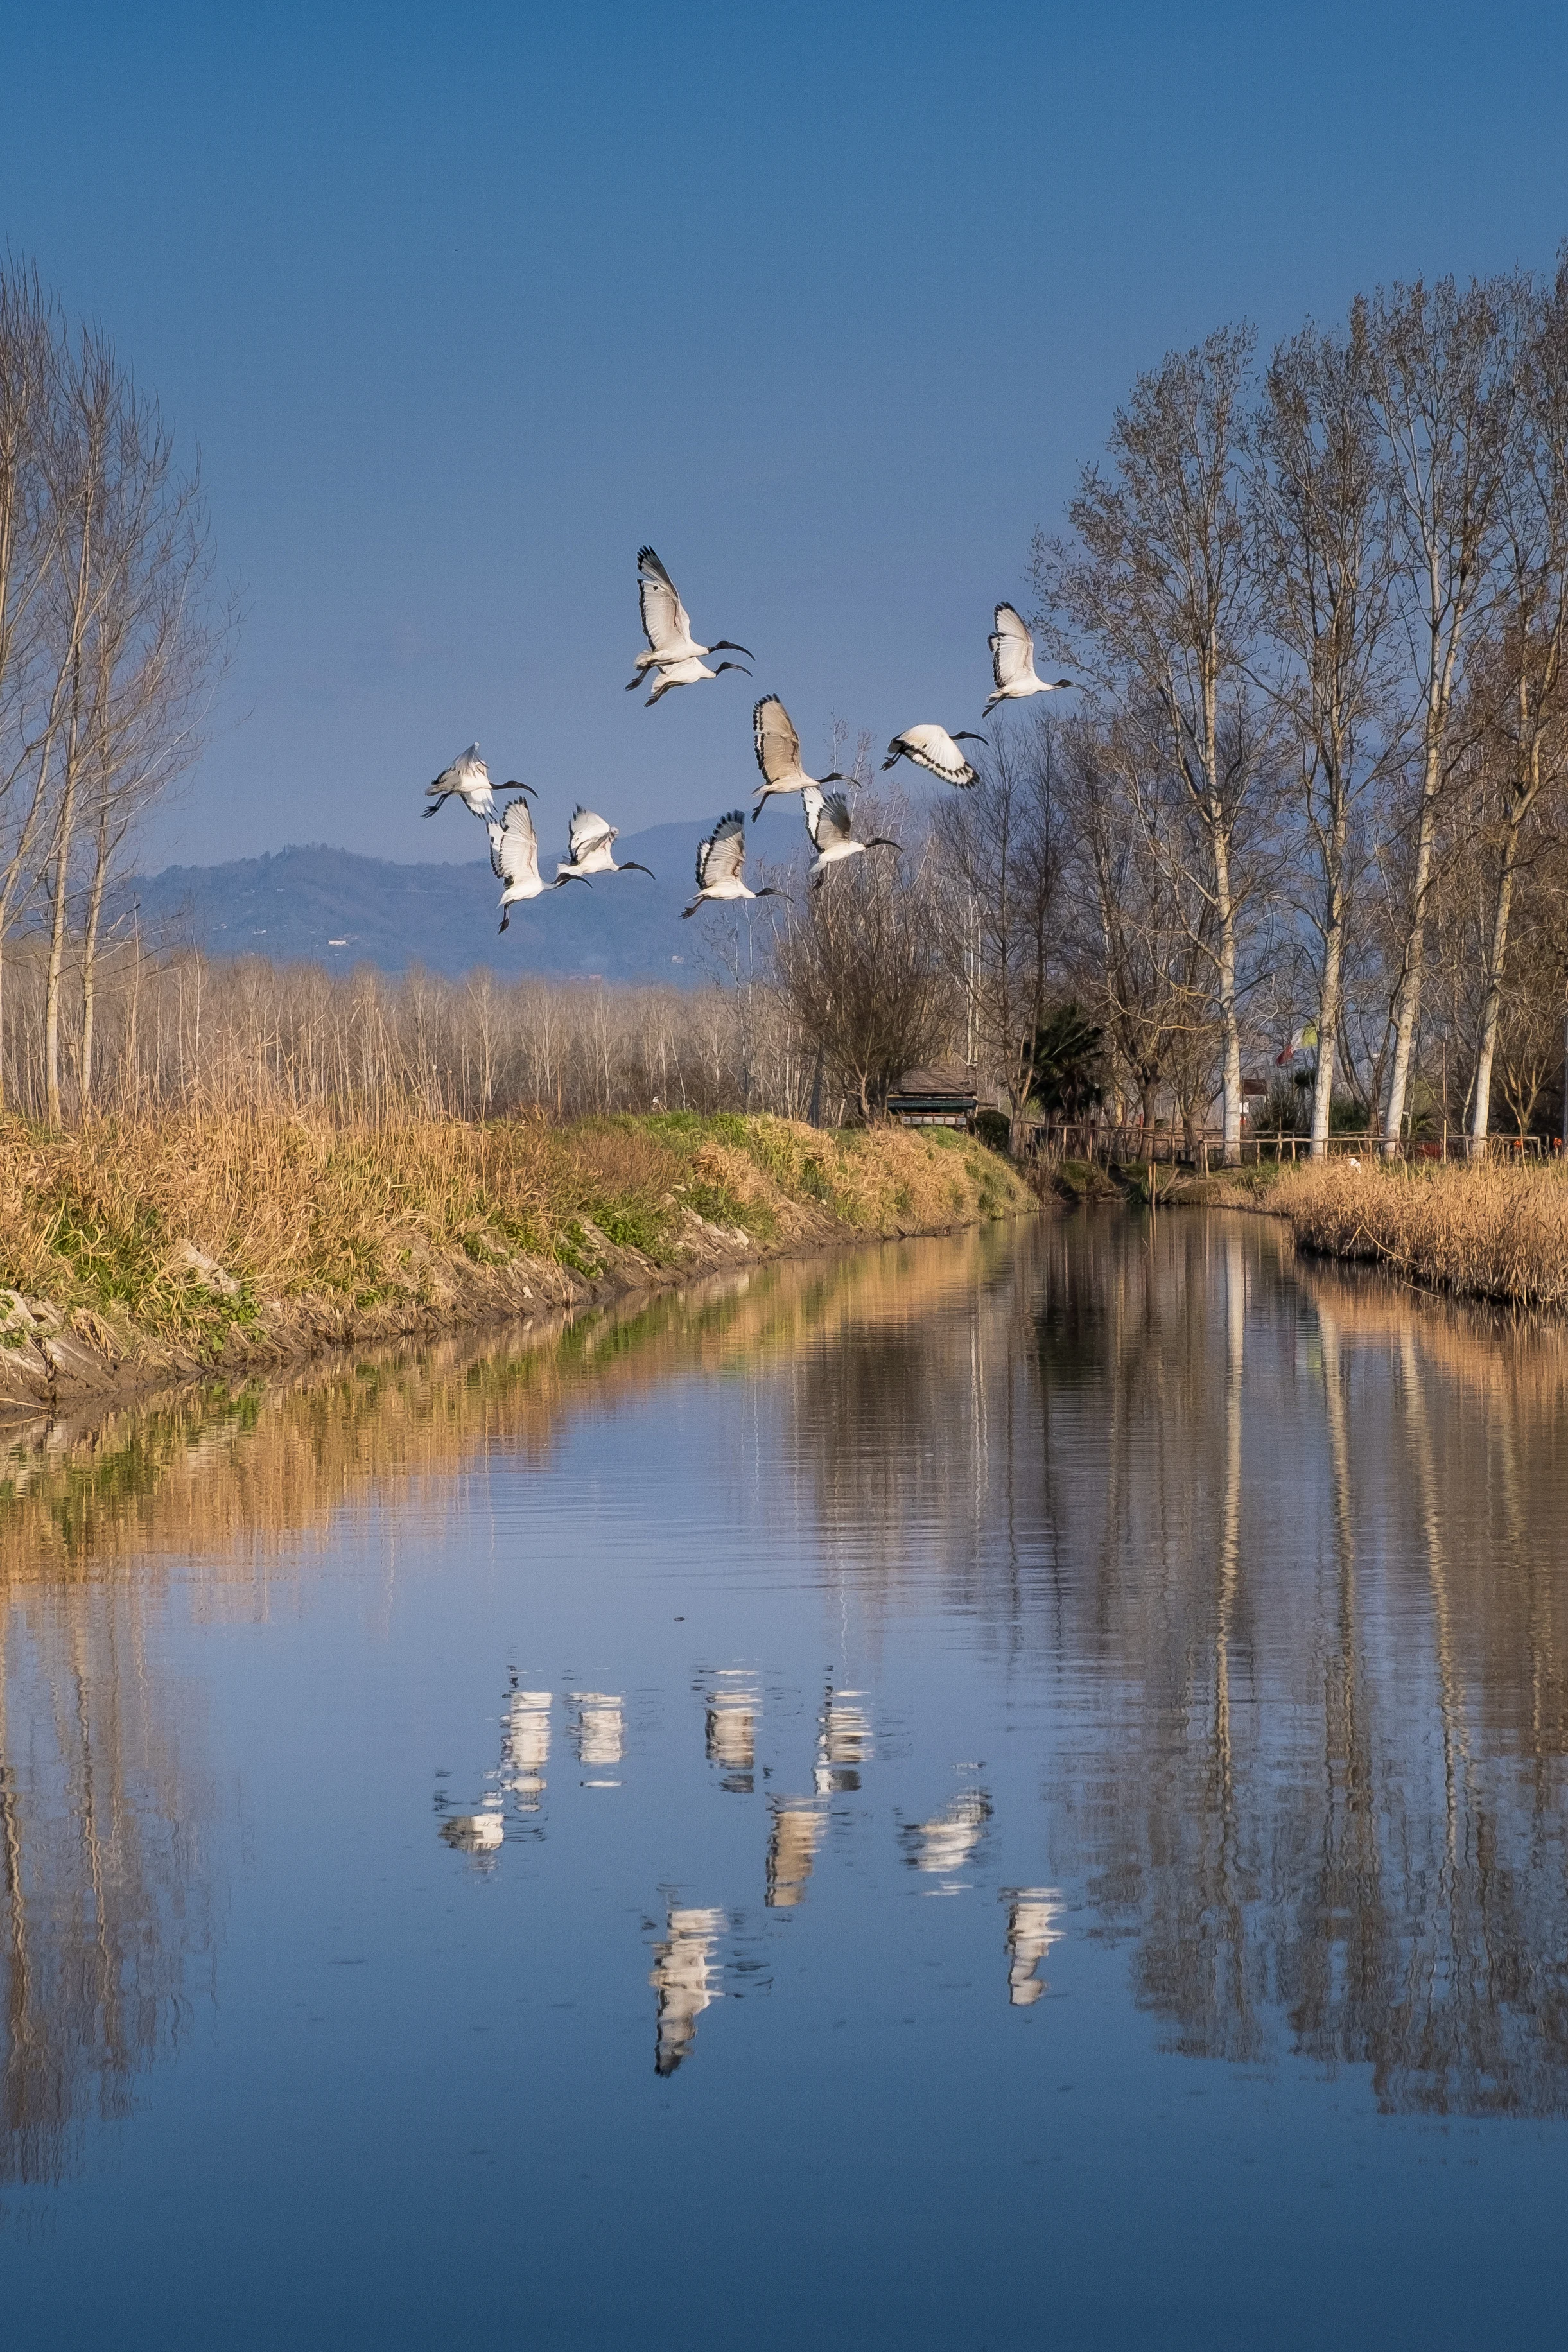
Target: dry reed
<point>1488,1231</point>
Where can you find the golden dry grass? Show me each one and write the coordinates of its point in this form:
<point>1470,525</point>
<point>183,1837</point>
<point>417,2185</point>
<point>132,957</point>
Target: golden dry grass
<point>192,1230</point>
<point>1490,1231</point>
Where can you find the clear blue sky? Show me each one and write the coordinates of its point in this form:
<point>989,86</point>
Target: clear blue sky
<point>828,303</point>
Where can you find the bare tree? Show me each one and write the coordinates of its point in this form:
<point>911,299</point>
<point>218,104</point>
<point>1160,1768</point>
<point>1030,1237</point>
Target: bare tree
<point>1001,870</point>
<point>860,970</point>
<point>1136,930</point>
<point>1518,674</point>
<point>1323,577</point>
<point>29,530</point>
<point>1156,596</point>
<point>1440,366</point>
<point>130,641</point>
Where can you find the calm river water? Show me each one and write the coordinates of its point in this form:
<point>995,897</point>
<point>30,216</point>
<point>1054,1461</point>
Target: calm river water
<point>986,1793</point>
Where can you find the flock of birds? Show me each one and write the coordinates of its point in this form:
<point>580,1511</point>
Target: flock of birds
<point>674,658</point>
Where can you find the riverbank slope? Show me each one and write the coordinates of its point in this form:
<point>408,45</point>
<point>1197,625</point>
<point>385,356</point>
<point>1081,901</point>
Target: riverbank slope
<point>134,1255</point>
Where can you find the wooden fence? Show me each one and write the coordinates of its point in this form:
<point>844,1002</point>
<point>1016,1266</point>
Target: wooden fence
<point>1138,1146</point>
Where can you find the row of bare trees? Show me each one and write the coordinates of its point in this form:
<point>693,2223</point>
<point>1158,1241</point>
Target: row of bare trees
<point>109,638</point>
<point>1322,607</point>
<point>178,1031</point>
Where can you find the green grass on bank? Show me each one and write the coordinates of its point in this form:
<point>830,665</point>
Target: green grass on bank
<point>193,1228</point>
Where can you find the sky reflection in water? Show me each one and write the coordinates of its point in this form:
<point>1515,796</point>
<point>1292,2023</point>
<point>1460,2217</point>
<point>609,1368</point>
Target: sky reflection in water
<point>976,1793</point>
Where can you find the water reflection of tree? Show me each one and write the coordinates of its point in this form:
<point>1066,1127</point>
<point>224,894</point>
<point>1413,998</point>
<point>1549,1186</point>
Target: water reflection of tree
<point>1313,1551</point>
<point>104,1905</point>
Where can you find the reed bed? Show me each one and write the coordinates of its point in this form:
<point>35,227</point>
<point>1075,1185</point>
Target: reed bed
<point>216,1235</point>
<point>1488,1231</point>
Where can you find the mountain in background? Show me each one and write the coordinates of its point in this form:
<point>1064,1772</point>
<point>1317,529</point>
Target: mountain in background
<point>339,909</point>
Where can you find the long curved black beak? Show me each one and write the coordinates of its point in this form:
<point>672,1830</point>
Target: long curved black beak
<point>728,645</point>
<point>962,737</point>
<point>515,784</point>
<point>740,666</point>
<point>881,841</point>
<point>630,865</point>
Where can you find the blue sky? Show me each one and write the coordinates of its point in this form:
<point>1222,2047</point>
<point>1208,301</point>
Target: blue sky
<point>828,303</point>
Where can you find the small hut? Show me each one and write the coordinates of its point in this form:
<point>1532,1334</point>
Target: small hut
<point>940,1098</point>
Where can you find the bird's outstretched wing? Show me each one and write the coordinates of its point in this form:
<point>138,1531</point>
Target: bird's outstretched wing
<point>1011,649</point>
<point>664,621</point>
<point>587,833</point>
<point>722,856</point>
<point>514,844</point>
<point>834,826</point>
<point>778,745</point>
<point>827,817</point>
<point>932,748</point>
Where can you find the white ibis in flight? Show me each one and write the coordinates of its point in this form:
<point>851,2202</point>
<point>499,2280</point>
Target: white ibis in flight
<point>590,846</point>
<point>672,650</point>
<point>1013,662</point>
<point>720,865</point>
<point>514,856</point>
<point>934,748</point>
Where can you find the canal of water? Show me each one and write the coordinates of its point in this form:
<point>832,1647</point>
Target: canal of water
<point>993,1791</point>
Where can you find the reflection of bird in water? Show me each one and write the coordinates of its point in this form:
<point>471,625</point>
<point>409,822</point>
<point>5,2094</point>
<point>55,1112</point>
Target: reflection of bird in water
<point>1032,1929</point>
<point>843,1742</point>
<point>792,1841</point>
<point>733,1729</point>
<point>945,1843</point>
<point>525,1747</point>
<point>477,1834</point>
<point>598,1733</point>
<point>680,1978</point>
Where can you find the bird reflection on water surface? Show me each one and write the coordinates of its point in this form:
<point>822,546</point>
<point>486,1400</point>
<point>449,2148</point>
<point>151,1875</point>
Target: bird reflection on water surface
<point>1271,1560</point>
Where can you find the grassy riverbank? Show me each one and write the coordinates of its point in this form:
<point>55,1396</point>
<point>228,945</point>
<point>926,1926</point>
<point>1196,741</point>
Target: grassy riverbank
<point>1490,1231</point>
<point>131,1253</point>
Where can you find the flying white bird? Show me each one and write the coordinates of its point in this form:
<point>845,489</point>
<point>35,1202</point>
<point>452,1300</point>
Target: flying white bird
<point>592,844</point>
<point>832,834</point>
<point>672,649</point>
<point>721,864</point>
<point>1013,662</point>
<point>514,856</point>
<point>778,753</point>
<point>934,748</point>
<point>467,780</point>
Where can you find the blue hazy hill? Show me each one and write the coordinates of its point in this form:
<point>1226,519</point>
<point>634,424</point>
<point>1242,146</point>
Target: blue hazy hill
<point>339,909</point>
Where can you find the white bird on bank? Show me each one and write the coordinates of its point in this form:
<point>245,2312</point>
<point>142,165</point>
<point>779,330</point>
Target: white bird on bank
<point>778,754</point>
<point>720,865</point>
<point>1013,662</point>
<point>934,748</point>
<point>514,858</point>
<point>828,821</point>
<point>466,780</point>
<point>590,844</point>
<point>672,649</point>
